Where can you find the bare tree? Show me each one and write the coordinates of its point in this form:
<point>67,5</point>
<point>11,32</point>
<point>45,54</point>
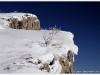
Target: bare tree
<point>50,36</point>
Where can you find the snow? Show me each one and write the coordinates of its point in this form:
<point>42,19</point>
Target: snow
<point>1,27</point>
<point>36,20</point>
<point>56,68</point>
<point>19,49</point>
<point>44,58</point>
<point>18,45</point>
<point>17,17</point>
<point>7,15</point>
<point>69,63</point>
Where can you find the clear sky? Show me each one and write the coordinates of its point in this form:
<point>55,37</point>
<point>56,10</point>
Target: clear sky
<point>80,18</point>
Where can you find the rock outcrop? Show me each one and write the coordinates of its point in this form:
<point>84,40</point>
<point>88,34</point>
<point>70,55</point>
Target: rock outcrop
<point>26,22</point>
<point>67,65</point>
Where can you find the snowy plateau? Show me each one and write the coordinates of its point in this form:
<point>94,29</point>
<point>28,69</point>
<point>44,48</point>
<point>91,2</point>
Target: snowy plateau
<point>20,49</point>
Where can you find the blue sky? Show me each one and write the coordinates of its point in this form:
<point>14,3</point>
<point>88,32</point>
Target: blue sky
<point>80,18</point>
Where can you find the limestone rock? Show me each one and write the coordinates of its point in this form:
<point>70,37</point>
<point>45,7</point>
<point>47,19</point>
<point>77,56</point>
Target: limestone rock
<point>67,65</point>
<point>26,22</point>
<point>46,67</point>
<point>70,56</point>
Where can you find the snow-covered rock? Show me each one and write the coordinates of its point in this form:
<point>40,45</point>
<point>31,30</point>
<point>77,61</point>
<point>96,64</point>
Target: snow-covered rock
<point>19,21</point>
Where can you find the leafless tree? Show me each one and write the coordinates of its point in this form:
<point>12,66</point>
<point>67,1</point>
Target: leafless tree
<point>50,35</point>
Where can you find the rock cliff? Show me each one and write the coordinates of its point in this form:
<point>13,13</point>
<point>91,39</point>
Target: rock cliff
<point>18,20</point>
<point>67,65</point>
<point>27,22</point>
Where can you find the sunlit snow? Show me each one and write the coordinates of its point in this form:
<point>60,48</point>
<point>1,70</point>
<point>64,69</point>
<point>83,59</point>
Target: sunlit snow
<point>18,47</point>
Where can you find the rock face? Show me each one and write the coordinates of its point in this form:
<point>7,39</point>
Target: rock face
<point>67,65</point>
<point>27,22</point>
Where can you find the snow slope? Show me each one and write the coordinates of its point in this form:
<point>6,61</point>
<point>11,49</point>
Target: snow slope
<point>19,47</point>
<point>16,46</point>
